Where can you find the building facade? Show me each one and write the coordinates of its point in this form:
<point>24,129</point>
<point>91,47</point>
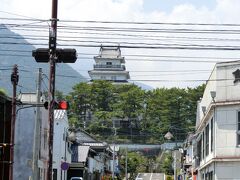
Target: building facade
<point>217,147</point>
<point>5,134</point>
<point>61,145</point>
<point>109,66</point>
<point>91,159</point>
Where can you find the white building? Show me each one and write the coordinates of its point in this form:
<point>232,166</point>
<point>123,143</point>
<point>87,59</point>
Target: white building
<point>218,125</point>
<point>61,145</point>
<point>109,66</point>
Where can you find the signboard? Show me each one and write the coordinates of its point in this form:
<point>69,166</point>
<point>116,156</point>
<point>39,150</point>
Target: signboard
<point>64,166</point>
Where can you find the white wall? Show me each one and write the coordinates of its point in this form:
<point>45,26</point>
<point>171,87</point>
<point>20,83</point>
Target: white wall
<point>227,90</point>
<point>226,128</point>
<point>227,171</point>
<point>59,144</point>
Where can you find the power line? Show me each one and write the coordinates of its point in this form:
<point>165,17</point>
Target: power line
<point>26,18</point>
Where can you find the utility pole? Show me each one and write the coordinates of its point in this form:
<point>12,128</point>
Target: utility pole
<point>175,164</point>
<point>114,135</point>
<point>126,170</point>
<point>53,56</point>
<point>14,80</point>
<point>36,141</point>
<point>51,90</point>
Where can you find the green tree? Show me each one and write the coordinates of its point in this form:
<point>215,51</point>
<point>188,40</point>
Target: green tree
<point>136,163</point>
<point>80,104</point>
<point>167,164</point>
<point>148,114</point>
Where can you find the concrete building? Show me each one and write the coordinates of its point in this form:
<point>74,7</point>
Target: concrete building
<point>109,66</point>
<point>91,159</point>
<point>61,145</point>
<point>217,149</point>
<point>24,139</point>
<point>32,145</point>
<point>5,135</point>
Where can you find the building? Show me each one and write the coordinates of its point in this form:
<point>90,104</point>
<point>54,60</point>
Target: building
<point>109,66</point>
<point>61,145</point>
<point>5,134</point>
<point>217,148</point>
<point>188,158</point>
<point>24,150</point>
<point>91,159</point>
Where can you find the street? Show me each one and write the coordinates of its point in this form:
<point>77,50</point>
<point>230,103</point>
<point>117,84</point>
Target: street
<point>151,176</point>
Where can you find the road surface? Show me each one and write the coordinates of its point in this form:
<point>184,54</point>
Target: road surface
<point>151,176</point>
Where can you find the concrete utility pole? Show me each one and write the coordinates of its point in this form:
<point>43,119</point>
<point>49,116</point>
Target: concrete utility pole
<point>51,90</point>
<point>14,80</point>
<point>53,56</point>
<point>126,170</point>
<point>36,141</point>
<point>114,136</point>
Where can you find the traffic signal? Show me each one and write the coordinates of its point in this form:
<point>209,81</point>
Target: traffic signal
<point>63,105</point>
<point>42,55</point>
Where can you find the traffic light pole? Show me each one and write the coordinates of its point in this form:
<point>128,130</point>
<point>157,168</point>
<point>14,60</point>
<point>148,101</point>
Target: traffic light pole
<point>51,90</point>
<point>53,55</point>
<point>14,80</point>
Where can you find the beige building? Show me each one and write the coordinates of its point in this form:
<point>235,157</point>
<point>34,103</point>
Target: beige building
<point>217,148</point>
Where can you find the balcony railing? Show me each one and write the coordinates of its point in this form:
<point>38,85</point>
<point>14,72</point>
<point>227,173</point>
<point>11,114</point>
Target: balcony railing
<point>103,66</point>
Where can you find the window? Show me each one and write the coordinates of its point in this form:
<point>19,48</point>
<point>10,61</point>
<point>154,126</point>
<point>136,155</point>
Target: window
<point>207,139</point>
<point>210,175</point>
<point>54,174</point>
<point>238,129</point>
<point>211,134</point>
<point>113,78</point>
<point>203,147</point>
<point>103,77</point>
<point>45,139</point>
<point>108,63</point>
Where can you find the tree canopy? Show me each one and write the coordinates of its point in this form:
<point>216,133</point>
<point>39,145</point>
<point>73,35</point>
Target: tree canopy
<point>133,114</point>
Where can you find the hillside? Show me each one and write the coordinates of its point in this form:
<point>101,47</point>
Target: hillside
<point>14,49</point>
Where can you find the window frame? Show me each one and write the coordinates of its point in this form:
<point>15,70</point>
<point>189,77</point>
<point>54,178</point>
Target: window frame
<point>207,140</point>
<point>212,134</point>
<point>238,129</point>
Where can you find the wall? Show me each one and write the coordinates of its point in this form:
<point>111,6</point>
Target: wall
<point>227,90</point>
<point>226,127</point>
<point>60,146</point>
<point>23,149</point>
<point>227,170</point>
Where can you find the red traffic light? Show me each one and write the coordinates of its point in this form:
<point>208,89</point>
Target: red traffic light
<point>64,105</point>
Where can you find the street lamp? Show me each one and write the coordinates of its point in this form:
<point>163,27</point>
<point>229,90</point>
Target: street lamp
<point>168,135</point>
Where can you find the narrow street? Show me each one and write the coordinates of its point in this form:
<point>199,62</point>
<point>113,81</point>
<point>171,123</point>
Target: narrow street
<point>150,176</point>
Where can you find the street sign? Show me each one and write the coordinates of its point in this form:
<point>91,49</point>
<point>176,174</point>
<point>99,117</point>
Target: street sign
<point>64,166</point>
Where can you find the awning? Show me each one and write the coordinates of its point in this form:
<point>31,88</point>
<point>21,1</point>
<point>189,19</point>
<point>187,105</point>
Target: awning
<point>83,153</point>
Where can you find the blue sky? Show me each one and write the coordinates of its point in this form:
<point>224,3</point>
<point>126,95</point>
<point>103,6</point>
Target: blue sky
<point>168,5</point>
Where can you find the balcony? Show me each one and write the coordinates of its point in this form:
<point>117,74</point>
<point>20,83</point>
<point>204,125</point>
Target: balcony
<point>109,67</point>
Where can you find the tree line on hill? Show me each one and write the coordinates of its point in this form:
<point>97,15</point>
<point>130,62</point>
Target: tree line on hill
<point>126,113</point>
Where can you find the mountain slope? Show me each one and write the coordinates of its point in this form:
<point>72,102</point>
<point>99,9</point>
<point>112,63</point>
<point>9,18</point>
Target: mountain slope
<point>15,50</point>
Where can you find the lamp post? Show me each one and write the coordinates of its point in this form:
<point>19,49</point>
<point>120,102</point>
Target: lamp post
<point>126,163</point>
<point>169,136</point>
<point>113,162</point>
